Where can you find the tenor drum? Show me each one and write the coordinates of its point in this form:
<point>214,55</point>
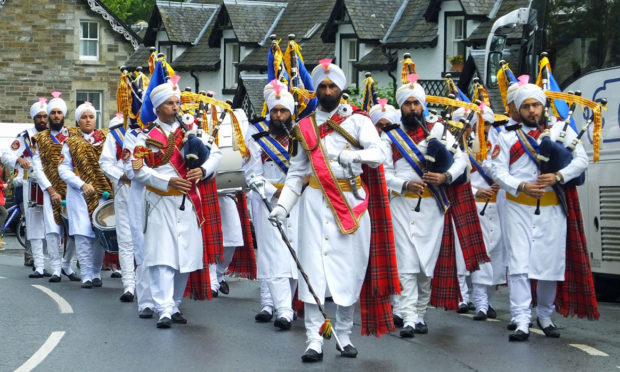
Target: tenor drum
<point>36,194</point>
<point>229,177</point>
<point>104,225</point>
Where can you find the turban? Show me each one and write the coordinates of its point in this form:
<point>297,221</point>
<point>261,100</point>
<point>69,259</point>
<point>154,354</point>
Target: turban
<point>162,92</point>
<point>327,70</point>
<point>529,91</point>
<point>86,106</point>
<point>511,92</point>
<point>57,103</point>
<point>268,89</point>
<point>410,90</point>
<point>37,107</point>
<point>117,120</point>
<point>382,111</point>
<point>276,93</point>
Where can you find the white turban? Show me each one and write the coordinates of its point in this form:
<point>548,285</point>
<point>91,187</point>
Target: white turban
<point>37,107</point>
<point>382,111</point>
<point>529,91</point>
<point>268,89</point>
<point>327,70</point>
<point>461,112</point>
<point>410,90</point>
<point>162,92</point>
<point>511,92</point>
<point>117,120</point>
<point>284,98</point>
<point>57,103</point>
<point>86,106</point>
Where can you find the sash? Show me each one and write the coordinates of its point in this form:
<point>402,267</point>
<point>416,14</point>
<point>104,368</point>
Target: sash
<point>119,135</point>
<point>28,152</point>
<point>348,218</point>
<point>177,162</point>
<point>531,147</point>
<point>271,147</point>
<point>480,171</point>
<point>412,154</point>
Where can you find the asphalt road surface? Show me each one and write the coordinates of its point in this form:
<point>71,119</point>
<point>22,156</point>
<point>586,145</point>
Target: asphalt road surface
<point>62,327</point>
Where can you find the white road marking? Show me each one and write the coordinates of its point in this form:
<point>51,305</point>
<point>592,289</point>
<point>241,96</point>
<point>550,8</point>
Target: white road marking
<point>63,305</point>
<point>589,349</point>
<point>472,316</point>
<point>537,331</point>
<point>45,349</point>
<point>2,277</point>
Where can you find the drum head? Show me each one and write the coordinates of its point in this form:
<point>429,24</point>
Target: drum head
<point>103,216</point>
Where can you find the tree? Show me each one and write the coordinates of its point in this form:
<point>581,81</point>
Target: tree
<point>131,11</point>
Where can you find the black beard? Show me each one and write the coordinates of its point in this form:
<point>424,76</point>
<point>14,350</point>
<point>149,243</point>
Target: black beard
<point>329,103</point>
<point>40,127</point>
<point>412,120</point>
<point>276,127</point>
<point>531,124</point>
<point>57,127</point>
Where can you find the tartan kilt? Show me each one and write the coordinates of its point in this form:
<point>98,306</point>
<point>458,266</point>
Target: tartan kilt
<point>445,291</point>
<point>243,263</point>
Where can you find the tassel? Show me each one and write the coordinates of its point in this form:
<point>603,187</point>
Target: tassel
<point>408,68</point>
<point>326,329</point>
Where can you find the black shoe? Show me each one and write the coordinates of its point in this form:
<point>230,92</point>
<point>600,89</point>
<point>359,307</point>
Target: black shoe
<point>471,306</point>
<point>349,351</point>
<point>282,323</point>
<point>178,318</point>
<point>54,279</point>
<point>519,336</point>
<point>311,356</point>
<point>214,294</point>
<point>463,309</point>
<point>407,332</point>
<point>127,297</point>
<point>164,322</point>
<point>72,277</point>
<point>116,275</point>
<point>36,275</point>
<point>263,317</point>
<point>398,321</point>
<point>550,331</point>
<point>145,313</point>
<point>46,274</point>
<point>512,326</point>
<point>421,328</point>
<point>480,315</point>
<point>87,284</point>
<point>491,313</point>
<point>97,282</point>
<point>224,287</point>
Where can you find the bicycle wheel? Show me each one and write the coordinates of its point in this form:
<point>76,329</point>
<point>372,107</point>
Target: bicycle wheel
<point>20,232</point>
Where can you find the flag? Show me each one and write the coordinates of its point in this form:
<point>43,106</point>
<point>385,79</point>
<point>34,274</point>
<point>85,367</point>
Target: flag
<point>147,113</point>
<point>560,107</point>
<point>505,77</point>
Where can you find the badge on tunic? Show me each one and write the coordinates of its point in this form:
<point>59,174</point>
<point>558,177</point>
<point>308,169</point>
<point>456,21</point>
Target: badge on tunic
<point>15,145</point>
<point>126,155</point>
<point>139,152</point>
<point>495,152</point>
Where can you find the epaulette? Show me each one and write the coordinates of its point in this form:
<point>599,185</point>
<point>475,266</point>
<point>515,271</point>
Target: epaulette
<point>513,127</point>
<point>388,128</point>
<point>116,126</point>
<point>260,135</point>
<point>149,127</point>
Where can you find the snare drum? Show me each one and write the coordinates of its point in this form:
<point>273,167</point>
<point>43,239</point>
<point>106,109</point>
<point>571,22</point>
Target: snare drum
<point>229,177</point>
<point>36,194</point>
<point>104,225</point>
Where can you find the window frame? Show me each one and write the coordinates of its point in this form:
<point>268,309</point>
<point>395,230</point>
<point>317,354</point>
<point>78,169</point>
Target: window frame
<point>229,87</point>
<point>450,39</point>
<point>347,63</point>
<point>84,57</point>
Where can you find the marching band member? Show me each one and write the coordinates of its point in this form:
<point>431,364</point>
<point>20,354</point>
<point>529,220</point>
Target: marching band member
<point>20,159</point>
<point>268,141</point>
<point>111,164</point>
<point>86,186</point>
<point>46,159</point>
<point>173,242</point>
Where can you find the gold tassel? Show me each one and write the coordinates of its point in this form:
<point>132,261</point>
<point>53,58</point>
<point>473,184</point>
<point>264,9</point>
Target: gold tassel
<point>326,329</point>
<point>405,70</point>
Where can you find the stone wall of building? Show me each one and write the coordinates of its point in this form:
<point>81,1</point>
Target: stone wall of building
<point>40,53</point>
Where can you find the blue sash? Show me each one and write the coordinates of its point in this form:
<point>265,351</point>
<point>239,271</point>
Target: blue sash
<point>27,143</point>
<point>119,135</point>
<point>412,154</point>
<point>481,171</point>
<point>272,148</point>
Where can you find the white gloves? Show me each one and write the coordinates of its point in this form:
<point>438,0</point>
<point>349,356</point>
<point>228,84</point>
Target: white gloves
<point>287,200</point>
<point>348,157</point>
<point>278,214</point>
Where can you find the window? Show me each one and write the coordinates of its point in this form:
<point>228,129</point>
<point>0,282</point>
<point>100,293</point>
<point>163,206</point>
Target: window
<point>455,39</point>
<point>92,97</point>
<point>231,60</point>
<point>348,58</point>
<point>89,40</point>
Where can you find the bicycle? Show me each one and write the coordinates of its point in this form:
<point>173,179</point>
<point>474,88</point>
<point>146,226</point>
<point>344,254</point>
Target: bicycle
<point>20,230</point>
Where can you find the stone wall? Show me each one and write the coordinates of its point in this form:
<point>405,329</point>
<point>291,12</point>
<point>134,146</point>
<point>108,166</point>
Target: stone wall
<point>39,53</point>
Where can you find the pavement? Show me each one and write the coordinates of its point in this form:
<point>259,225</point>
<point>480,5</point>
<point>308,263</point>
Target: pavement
<point>62,327</point>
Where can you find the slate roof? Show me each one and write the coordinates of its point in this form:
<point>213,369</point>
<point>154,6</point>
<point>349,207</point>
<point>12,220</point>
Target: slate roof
<point>139,58</point>
<point>252,20</point>
<point>482,31</point>
<point>477,7</point>
<point>377,59</point>
<point>411,29</point>
<point>371,19</point>
<point>253,85</point>
<point>199,58</point>
<point>186,22</point>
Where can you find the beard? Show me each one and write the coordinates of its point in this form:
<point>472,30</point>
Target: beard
<point>40,126</point>
<point>57,126</point>
<point>531,124</point>
<point>329,103</point>
<point>277,127</point>
<point>412,120</point>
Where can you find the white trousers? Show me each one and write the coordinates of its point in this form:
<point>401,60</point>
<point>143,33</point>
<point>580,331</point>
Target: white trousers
<point>521,299</point>
<point>314,319</point>
<point>395,302</point>
<point>36,246</point>
<point>218,270</point>
<point>282,291</point>
<point>266,301</point>
<point>415,296</point>
<point>124,238</point>
<point>53,250</point>
<point>167,288</point>
<point>464,289</point>
<point>481,296</point>
<point>143,288</point>
<point>90,254</point>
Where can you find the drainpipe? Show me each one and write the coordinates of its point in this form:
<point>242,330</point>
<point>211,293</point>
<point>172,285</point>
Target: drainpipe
<point>192,73</point>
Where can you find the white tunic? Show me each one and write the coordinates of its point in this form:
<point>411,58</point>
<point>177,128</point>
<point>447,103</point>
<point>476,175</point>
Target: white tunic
<point>232,233</point>
<point>417,234</point>
<point>273,257</point>
<point>173,237</point>
<point>331,259</point>
<point>26,178</point>
<point>536,243</point>
<point>136,200</point>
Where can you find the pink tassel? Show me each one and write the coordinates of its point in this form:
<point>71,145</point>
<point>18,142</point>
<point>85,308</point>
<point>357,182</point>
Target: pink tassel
<point>42,100</point>
<point>276,86</point>
<point>56,94</point>
<point>383,102</point>
<point>523,79</point>
<point>175,79</point>
<point>325,62</point>
<point>119,115</point>
<point>482,106</point>
<point>412,78</point>
<point>211,92</point>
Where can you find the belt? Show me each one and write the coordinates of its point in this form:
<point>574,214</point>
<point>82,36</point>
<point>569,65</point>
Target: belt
<point>427,193</point>
<point>172,192</point>
<point>492,200</point>
<point>548,198</point>
<point>342,182</point>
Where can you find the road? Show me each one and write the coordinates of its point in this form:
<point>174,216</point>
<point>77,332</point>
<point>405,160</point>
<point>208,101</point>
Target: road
<point>91,330</point>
